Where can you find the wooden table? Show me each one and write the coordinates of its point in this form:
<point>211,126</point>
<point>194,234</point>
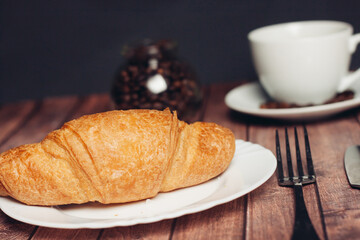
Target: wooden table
<point>265,213</point>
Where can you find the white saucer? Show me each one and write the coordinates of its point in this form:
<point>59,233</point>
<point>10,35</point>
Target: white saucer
<point>247,99</point>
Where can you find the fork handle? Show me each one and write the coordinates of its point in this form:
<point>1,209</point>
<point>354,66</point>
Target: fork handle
<point>303,228</point>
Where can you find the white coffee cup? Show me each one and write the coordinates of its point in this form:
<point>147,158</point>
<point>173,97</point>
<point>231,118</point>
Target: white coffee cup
<point>304,62</point>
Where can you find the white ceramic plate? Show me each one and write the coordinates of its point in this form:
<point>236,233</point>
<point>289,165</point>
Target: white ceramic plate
<point>251,166</point>
<point>247,99</point>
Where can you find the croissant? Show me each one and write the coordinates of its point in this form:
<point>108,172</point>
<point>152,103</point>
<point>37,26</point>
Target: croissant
<point>115,157</point>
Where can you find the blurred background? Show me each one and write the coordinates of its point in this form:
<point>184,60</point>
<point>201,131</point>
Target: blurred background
<point>56,48</point>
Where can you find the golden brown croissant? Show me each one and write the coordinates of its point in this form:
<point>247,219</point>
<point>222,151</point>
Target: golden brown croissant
<point>115,157</point>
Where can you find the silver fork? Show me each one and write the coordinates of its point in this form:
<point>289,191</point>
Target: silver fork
<point>303,228</point>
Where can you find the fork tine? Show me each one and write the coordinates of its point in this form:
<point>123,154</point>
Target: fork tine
<point>279,159</point>
<point>298,156</point>
<point>309,161</point>
<point>288,156</point>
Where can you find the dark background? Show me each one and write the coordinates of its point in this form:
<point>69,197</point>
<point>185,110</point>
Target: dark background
<point>56,48</point>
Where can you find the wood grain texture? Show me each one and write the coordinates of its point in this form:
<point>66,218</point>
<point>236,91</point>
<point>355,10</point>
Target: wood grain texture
<point>153,231</point>
<point>13,229</point>
<point>341,207</point>
<point>221,222</point>
<point>91,104</point>
<point>270,208</point>
<point>50,116</point>
<point>13,116</point>
<point>68,234</point>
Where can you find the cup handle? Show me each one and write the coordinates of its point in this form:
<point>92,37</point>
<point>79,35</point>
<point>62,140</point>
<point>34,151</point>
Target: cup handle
<point>349,79</point>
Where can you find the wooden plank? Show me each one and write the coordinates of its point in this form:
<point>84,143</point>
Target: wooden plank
<point>12,116</point>
<point>90,104</point>
<point>49,117</point>
<point>227,220</point>
<point>153,231</point>
<point>221,222</point>
<point>13,229</point>
<point>340,203</point>
<point>271,208</point>
<point>45,233</point>
<point>268,216</point>
<point>329,139</point>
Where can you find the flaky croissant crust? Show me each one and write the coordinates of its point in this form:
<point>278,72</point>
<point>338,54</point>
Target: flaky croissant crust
<point>115,157</point>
